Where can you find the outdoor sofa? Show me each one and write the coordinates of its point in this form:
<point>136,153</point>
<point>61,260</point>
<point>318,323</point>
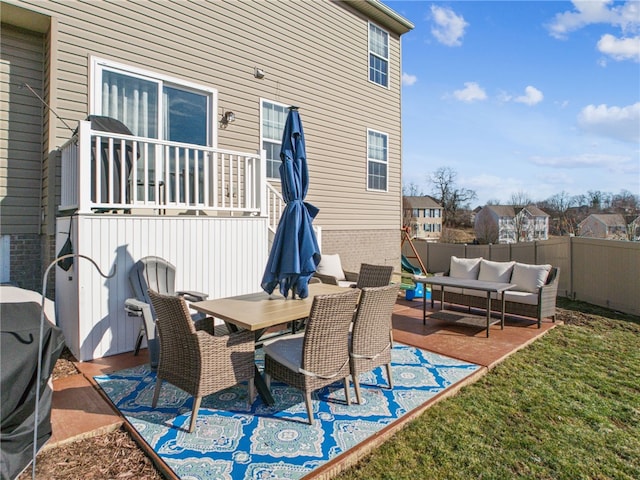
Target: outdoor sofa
<point>533,296</point>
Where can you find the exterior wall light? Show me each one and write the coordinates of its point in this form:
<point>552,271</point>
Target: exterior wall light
<point>227,118</point>
<point>258,73</point>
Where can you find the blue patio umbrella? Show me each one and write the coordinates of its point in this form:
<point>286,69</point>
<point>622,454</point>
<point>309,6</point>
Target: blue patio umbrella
<point>294,254</point>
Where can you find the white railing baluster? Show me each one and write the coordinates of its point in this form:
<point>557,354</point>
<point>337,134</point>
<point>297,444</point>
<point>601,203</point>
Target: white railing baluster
<point>151,175</point>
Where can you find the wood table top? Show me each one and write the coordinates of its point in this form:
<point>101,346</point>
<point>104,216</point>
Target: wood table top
<point>257,311</point>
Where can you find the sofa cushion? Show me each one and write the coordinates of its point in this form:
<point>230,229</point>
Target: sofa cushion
<point>529,278</point>
<point>526,298</point>
<point>495,271</point>
<point>332,266</point>
<point>466,268</point>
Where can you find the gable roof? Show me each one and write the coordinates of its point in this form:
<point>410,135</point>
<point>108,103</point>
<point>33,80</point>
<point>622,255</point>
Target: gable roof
<point>383,15</point>
<point>535,211</point>
<point>420,202</point>
<point>608,219</point>
<point>511,211</point>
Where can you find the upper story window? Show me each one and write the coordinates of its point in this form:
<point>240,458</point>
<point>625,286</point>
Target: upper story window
<point>377,154</point>
<point>272,118</point>
<point>153,105</point>
<point>378,55</point>
<point>415,212</point>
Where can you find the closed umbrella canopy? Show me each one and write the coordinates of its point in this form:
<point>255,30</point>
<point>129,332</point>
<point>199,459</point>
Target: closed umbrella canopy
<point>294,255</point>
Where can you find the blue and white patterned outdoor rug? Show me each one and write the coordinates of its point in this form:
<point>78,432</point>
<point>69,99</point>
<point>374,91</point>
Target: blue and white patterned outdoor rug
<point>233,441</point>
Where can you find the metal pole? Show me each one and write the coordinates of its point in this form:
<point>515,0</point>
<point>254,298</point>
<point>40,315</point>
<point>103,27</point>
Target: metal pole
<point>39,368</point>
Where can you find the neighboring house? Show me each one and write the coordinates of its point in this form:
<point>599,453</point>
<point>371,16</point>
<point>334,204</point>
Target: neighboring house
<point>508,224</point>
<point>423,216</point>
<point>204,88</point>
<point>633,232</point>
<point>610,226</point>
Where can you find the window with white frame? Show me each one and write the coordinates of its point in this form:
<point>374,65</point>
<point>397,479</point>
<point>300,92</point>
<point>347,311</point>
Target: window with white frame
<point>153,105</point>
<point>377,155</point>
<point>378,55</point>
<point>157,106</point>
<point>272,119</point>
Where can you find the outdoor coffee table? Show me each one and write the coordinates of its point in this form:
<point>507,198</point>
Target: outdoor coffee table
<point>259,312</point>
<point>469,284</point>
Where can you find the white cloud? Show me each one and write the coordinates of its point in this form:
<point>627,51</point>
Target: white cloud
<point>531,96</point>
<point>622,123</point>
<point>620,48</point>
<point>408,79</point>
<point>585,160</point>
<point>449,27</point>
<point>470,93</point>
<point>587,12</point>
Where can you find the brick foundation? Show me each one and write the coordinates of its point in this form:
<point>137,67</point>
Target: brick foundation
<point>380,247</point>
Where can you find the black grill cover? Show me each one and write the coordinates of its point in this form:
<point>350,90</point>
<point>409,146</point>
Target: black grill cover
<point>20,328</point>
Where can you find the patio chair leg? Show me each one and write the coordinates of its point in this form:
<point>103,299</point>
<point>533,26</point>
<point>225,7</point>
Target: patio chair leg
<point>252,392</point>
<point>356,386</point>
<point>307,402</point>
<point>194,413</point>
<point>388,367</point>
<point>347,394</point>
<point>139,341</point>
<point>156,393</point>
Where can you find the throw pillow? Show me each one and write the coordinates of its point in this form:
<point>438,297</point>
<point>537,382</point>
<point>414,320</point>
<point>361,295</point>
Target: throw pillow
<point>495,271</point>
<point>529,278</point>
<point>332,266</point>
<point>466,268</point>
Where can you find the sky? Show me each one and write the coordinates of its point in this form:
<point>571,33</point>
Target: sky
<point>522,97</point>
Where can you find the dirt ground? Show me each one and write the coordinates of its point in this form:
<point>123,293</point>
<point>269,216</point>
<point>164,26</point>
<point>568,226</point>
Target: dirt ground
<point>113,455</point>
<point>117,456</point>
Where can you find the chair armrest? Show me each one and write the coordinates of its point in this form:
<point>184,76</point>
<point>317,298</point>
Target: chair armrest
<point>331,280</point>
<point>192,296</point>
<point>351,276</point>
<point>138,308</point>
<point>206,324</point>
<point>135,307</point>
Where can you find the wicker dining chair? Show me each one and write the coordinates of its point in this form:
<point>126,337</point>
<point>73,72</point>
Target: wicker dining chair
<point>196,361</point>
<point>372,337</point>
<point>319,356</point>
<point>374,275</point>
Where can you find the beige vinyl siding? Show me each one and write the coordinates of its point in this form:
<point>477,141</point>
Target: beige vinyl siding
<point>316,59</point>
<point>20,130</point>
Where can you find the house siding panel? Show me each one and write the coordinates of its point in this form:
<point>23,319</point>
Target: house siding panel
<point>20,130</point>
<point>320,65</point>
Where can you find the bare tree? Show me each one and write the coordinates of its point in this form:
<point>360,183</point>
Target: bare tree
<point>448,194</point>
<point>558,207</point>
<point>625,203</point>
<point>412,190</point>
<point>520,199</point>
<point>486,228</point>
<point>595,199</point>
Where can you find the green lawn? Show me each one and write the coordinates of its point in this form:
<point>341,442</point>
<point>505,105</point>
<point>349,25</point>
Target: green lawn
<point>565,407</point>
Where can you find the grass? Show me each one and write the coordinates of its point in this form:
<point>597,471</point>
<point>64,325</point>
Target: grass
<point>566,407</point>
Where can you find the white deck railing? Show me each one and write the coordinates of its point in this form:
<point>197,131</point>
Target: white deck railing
<point>152,176</point>
<point>275,206</point>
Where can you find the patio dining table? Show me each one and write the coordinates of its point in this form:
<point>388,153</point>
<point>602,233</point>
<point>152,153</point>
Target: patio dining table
<point>258,312</point>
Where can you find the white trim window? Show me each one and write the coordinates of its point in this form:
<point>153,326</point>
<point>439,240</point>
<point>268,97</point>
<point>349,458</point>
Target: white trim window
<point>153,105</point>
<point>378,55</point>
<point>377,160</point>
<point>272,119</point>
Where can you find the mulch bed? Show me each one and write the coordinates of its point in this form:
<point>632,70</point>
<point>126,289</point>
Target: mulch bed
<point>116,455</point>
